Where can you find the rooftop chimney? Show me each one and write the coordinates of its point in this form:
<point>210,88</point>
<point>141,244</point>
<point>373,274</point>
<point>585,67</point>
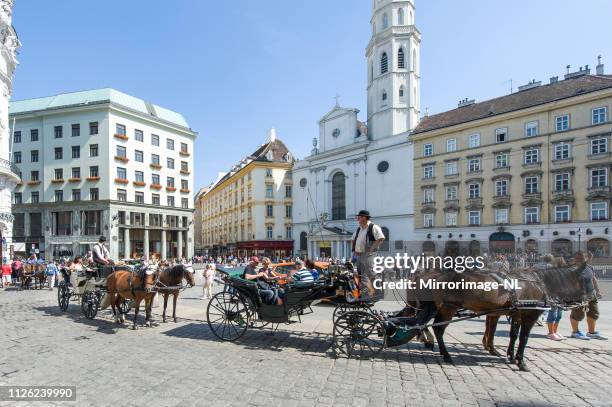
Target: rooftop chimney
<point>272,134</point>
<point>554,79</point>
<point>599,69</point>
<point>532,84</point>
<point>583,71</point>
<point>466,102</point>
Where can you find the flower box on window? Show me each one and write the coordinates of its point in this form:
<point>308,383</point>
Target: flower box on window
<point>33,182</point>
<point>57,181</point>
<point>74,179</point>
<point>184,153</point>
<point>185,172</point>
<point>139,183</point>
<point>122,159</point>
<point>121,136</point>
<point>155,166</point>
<point>93,178</point>
<point>156,186</point>
<point>170,189</point>
<point>121,181</point>
<point>185,191</point>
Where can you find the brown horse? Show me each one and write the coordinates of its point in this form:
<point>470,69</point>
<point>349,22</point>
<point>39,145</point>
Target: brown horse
<point>562,286</point>
<point>170,281</point>
<point>128,285</point>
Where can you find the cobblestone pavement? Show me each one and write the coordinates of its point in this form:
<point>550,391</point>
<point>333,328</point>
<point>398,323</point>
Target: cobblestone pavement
<point>182,364</point>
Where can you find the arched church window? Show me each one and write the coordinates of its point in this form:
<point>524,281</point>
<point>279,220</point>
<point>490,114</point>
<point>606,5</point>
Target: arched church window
<point>303,241</point>
<point>400,16</point>
<point>384,95</point>
<point>385,21</point>
<point>400,58</point>
<point>338,196</point>
<point>384,63</point>
<point>414,60</point>
<point>402,92</point>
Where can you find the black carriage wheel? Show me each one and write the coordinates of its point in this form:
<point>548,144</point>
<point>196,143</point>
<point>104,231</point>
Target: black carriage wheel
<point>63,296</point>
<point>89,304</point>
<point>227,315</point>
<point>358,335</point>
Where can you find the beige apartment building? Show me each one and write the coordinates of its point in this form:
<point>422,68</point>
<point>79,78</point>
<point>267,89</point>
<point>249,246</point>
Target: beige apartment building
<point>249,210</point>
<point>526,171</point>
<point>198,211</point>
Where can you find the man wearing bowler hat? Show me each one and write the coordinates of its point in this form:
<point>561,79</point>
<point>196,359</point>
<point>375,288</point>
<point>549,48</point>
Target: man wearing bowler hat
<point>366,240</point>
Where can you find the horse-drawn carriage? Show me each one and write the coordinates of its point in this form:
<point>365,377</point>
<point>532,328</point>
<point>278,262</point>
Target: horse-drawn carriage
<point>32,272</point>
<point>358,331</point>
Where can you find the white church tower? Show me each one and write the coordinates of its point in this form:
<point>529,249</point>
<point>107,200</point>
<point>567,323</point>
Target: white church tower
<point>393,55</point>
<point>9,176</point>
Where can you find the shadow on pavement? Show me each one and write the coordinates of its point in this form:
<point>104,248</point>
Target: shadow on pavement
<point>103,322</point>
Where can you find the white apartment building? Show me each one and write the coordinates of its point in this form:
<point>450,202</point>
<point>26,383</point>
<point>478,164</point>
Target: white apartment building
<point>101,162</point>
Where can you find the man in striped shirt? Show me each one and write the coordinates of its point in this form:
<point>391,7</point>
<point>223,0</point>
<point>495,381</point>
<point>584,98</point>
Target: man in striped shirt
<point>301,274</point>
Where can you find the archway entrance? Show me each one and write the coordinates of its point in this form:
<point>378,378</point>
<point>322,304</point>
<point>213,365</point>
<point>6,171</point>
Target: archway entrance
<point>599,247</point>
<point>429,248</point>
<point>501,242</point>
<point>561,248</point>
<point>531,246</point>
<point>474,248</point>
<point>451,248</point>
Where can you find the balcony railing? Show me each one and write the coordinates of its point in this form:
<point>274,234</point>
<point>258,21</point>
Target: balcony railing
<point>8,167</point>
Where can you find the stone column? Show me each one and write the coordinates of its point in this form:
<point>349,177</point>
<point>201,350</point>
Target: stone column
<point>163,245</point>
<point>146,243</point>
<point>179,243</point>
<point>126,243</point>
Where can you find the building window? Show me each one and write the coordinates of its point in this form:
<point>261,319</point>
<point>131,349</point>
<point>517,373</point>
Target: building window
<point>17,137</point>
<point>154,159</point>
<point>184,203</point>
<point>562,181</point>
<point>155,140</point>
<point>599,145</point>
<point>428,195</point>
<point>268,172</point>
<point>562,123</point>
<point>34,176</point>
<point>185,186</point>
<point>93,128</point>
<point>501,135</point>
<point>170,163</point>
<point>121,173</point>
<point>155,179</point>
<point>121,152</point>
<point>501,160</point>
<point>451,192</point>
<point>531,129</point>
<point>501,216</point>
<point>474,164</point>
<point>138,156</point>
<point>93,150</point>
<point>562,213</point>
<point>288,232</point>
<point>120,129</point>
<point>338,196</point>
<point>17,157</point>
<point>35,197</point>
<point>451,218</point>
<point>474,191</point>
<point>58,131</point>
<point>76,130</point>
<point>139,197</point>
<point>59,153</point>
<point>93,171</point>
<point>138,135</point>
<point>599,211</point>
<point>288,211</point>
<point>401,93</point>
<point>34,156</point>
<point>269,211</point>
<point>474,140</point>
<point>532,215</point>
<point>184,166</point>
<point>385,21</point>
<point>400,16</point>
<point>76,194</point>
<point>122,195</point>
<point>452,168</point>
<point>269,191</point>
<point>184,148</point>
<point>451,145</point>
<point>139,176</point>
<point>269,232</point>
<point>170,144</point>
<point>59,174</point>
<point>288,191</point>
<point>59,196</point>
<point>532,156</point>
<point>428,171</point>
<point>600,115</point>
<point>599,177</point>
<point>501,187</point>
<point>76,152</point>
<point>76,172</point>
<point>401,58</point>
<point>428,220</point>
<point>170,182</point>
<point>474,218</point>
<point>384,63</point>
<point>428,150</point>
<point>34,135</point>
<point>17,198</point>
<point>155,199</point>
<point>384,97</point>
<point>562,151</point>
<point>531,185</point>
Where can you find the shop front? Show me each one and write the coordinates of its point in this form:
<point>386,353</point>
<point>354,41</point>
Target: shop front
<point>275,249</point>
<point>501,243</point>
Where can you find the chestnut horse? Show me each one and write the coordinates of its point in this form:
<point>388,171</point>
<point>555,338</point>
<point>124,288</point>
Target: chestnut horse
<point>562,286</point>
<point>128,285</point>
<point>170,281</point>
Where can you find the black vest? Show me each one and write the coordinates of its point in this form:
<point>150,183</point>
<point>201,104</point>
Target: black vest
<point>370,234</point>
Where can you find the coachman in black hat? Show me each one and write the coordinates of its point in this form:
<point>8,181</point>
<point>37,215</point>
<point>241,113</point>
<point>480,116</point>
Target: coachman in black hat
<point>366,240</point>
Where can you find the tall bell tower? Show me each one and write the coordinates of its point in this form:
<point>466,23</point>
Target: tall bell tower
<point>393,56</point>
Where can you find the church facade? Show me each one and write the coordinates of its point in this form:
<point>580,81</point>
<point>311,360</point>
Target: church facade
<point>356,165</point>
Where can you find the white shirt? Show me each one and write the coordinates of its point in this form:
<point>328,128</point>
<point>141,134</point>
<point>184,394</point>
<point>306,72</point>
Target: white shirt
<point>362,238</point>
<point>100,252</point>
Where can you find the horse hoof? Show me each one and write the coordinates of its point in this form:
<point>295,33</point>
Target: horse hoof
<point>494,352</point>
<point>164,321</point>
<point>175,320</point>
<point>148,324</point>
<point>447,359</point>
<point>429,346</point>
<point>522,367</point>
<point>134,327</point>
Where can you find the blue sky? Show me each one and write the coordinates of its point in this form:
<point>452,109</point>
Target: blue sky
<point>236,68</point>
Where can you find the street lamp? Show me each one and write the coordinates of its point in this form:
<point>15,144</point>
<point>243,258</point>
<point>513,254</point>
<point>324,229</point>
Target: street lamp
<point>578,239</point>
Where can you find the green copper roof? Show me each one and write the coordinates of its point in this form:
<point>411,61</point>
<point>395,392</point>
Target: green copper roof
<point>96,96</point>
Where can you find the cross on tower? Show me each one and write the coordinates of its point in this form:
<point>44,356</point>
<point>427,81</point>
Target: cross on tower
<point>337,97</point>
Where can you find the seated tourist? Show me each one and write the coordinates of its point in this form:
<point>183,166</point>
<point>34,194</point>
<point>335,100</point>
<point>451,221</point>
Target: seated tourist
<point>313,270</point>
<point>302,275</point>
<point>264,279</point>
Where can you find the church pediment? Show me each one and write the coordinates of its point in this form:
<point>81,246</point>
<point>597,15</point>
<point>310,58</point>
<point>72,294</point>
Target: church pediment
<point>338,111</point>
